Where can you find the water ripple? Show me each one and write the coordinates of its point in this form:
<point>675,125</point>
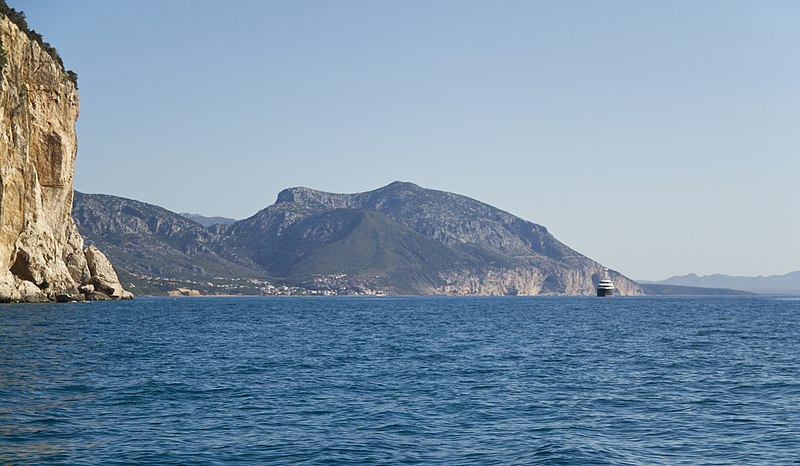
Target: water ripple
<point>401,381</point>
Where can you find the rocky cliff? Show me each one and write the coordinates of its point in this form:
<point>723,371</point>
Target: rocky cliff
<point>41,251</point>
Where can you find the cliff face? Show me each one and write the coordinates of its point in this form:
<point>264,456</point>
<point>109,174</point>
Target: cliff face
<point>530,280</point>
<point>41,251</point>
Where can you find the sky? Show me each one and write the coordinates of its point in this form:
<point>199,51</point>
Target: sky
<point>659,138</point>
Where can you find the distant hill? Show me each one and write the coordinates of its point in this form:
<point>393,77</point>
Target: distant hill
<point>677,290</point>
<point>208,221</point>
<point>145,240</point>
<point>773,284</point>
<point>399,239</point>
<point>412,240</point>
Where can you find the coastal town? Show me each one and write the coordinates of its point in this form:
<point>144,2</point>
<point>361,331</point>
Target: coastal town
<point>338,284</point>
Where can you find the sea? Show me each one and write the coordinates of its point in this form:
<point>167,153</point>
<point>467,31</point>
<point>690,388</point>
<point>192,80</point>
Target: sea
<point>513,380</point>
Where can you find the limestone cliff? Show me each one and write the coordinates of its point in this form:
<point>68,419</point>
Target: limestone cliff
<point>41,251</point>
<point>526,280</point>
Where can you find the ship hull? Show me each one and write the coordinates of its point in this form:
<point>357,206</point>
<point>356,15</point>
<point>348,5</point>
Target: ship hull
<point>604,292</point>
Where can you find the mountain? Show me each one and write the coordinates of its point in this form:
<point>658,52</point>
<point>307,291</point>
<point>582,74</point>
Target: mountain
<point>399,239</point>
<point>208,221</point>
<point>678,290</point>
<point>155,249</point>
<point>774,284</point>
<point>415,241</point>
<point>42,257</point>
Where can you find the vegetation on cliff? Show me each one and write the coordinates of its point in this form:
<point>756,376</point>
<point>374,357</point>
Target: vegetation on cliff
<point>18,18</point>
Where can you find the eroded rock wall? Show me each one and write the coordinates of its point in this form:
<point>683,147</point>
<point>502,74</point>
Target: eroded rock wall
<point>533,281</point>
<point>41,251</point>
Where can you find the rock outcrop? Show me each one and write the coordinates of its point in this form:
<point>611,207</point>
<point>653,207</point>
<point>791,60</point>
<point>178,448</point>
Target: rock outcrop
<point>41,251</point>
<point>103,276</point>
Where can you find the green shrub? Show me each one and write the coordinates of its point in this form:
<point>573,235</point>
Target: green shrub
<point>73,76</point>
<point>18,18</point>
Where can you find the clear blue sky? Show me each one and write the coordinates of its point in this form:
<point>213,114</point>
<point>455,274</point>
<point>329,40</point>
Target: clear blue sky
<point>658,138</point>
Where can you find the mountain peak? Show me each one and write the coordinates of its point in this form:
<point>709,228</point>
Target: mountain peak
<point>397,185</point>
<point>289,194</point>
<point>311,198</point>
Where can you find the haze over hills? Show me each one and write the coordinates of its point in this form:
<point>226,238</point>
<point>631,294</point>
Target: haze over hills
<point>399,239</point>
<point>773,284</point>
<point>679,290</point>
<point>208,221</point>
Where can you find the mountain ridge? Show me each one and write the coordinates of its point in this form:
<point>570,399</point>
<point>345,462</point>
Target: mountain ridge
<point>679,290</point>
<point>788,283</point>
<point>146,240</point>
<point>207,221</point>
<point>399,239</point>
<point>390,198</point>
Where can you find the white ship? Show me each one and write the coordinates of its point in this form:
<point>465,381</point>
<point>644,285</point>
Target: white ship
<point>605,287</point>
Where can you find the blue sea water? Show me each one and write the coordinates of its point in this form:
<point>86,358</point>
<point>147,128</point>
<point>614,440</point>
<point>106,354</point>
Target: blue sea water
<point>402,381</point>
